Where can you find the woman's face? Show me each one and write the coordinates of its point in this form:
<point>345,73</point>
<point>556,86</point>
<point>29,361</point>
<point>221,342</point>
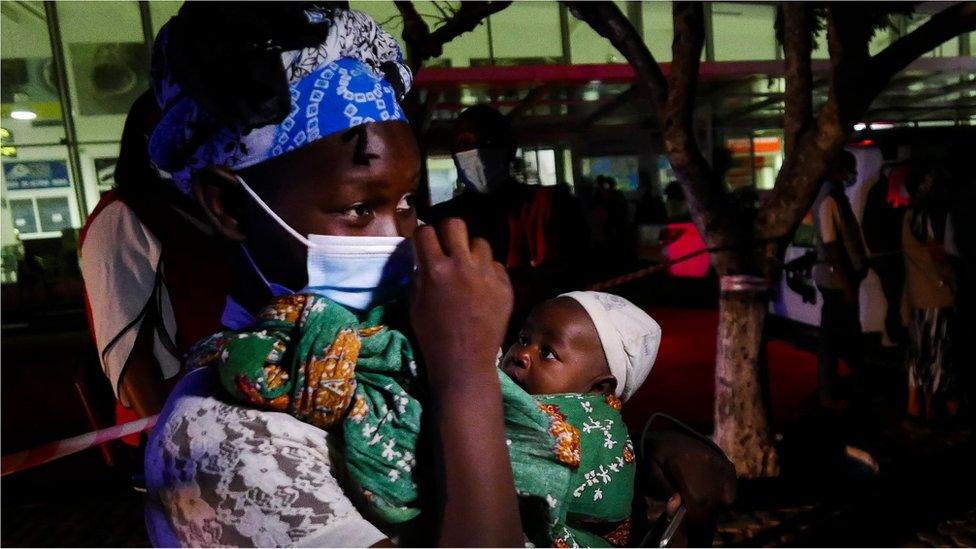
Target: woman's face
<point>360,182</point>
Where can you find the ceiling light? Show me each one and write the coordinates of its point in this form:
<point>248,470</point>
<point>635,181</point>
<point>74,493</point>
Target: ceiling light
<point>882,125</point>
<point>859,126</point>
<point>23,115</point>
<point>591,95</point>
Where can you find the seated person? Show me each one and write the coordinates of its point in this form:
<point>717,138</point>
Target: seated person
<point>573,462</point>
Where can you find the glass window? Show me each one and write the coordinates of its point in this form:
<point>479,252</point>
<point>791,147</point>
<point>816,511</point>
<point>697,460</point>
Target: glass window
<point>54,214</point>
<point>756,159</point>
<point>23,215</point>
<point>441,177</point>
<point>31,108</point>
<point>658,29</point>
<point>108,68</point>
<point>108,64</point>
<point>743,32</point>
<point>160,12</point>
<point>40,177</point>
<point>588,47</point>
<point>538,165</point>
<point>527,33</point>
<point>457,53</point>
<point>621,169</point>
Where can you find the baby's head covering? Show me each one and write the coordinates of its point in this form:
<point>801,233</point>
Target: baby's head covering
<point>338,69</point>
<point>629,336</point>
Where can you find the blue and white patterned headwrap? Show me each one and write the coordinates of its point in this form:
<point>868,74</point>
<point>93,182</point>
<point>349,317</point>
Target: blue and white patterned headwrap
<point>334,86</point>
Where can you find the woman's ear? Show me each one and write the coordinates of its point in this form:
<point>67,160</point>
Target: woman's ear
<point>218,193</point>
<point>604,384</point>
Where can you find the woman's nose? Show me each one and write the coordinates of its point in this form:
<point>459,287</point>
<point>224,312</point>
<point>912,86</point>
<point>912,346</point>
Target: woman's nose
<point>385,225</point>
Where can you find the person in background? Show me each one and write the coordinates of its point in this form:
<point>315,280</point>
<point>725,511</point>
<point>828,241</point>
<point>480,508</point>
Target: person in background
<point>610,242</point>
<point>882,236</point>
<point>650,208</point>
<point>840,267</point>
<point>676,204</point>
<point>535,231</point>
<point>153,282</point>
<point>930,285</point>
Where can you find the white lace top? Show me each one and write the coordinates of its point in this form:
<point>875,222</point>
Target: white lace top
<point>219,474</point>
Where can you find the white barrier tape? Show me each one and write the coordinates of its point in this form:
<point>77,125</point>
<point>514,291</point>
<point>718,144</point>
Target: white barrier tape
<point>743,283</point>
<point>55,450</point>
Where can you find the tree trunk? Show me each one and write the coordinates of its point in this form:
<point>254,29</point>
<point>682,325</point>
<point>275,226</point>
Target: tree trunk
<point>741,426</point>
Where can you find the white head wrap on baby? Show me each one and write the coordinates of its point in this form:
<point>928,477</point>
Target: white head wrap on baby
<point>629,336</point>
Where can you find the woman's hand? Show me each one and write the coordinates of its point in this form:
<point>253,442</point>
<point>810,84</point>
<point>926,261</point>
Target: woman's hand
<point>681,469</point>
<point>461,301</point>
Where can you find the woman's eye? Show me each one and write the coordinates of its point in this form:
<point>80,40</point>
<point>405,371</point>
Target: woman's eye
<point>360,211</point>
<point>407,204</point>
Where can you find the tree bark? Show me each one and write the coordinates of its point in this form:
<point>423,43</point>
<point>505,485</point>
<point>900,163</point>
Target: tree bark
<point>422,44</point>
<point>855,82</point>
<point>741,426</point>
<point>797,49</point>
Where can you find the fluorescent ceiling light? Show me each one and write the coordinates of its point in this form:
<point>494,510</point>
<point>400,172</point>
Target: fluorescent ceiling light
<point>23,115</point>
<point>859,126</point>
<point>882,125</point>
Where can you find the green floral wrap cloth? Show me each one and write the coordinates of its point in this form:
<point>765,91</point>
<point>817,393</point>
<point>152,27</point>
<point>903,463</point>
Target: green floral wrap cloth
<point>307,356</point>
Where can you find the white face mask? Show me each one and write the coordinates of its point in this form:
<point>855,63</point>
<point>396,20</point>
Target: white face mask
<point>482,170</point>
<point>359,272</point>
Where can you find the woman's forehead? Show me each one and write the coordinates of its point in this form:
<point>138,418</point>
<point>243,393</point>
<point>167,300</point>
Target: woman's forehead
<point>382,149</point>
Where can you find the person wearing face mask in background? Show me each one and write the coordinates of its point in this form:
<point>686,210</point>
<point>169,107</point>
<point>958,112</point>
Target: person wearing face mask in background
<point>537,232</point>
<point>841,265</point>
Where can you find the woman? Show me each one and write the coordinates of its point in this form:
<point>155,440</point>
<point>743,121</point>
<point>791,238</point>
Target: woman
<point>929,298</point>
<point>326,154</point>
<point>136,247</point>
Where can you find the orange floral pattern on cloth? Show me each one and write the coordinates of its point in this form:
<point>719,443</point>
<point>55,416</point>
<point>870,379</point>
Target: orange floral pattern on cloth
<point>322,387</point>
<point>329,381</point>
<point>614,402</point>
<point>285,308</point>
<point>560,542</point>
<point>629,452</point>
<point>621,534</point>
<point>567,447</point>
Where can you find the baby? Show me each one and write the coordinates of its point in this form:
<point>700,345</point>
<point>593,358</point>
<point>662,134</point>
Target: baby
<point>584,342</point>
<point>579,355</point>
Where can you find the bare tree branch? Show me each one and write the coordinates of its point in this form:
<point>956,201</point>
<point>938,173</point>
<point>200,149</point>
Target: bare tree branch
<point>423,44</point>
<point>950,22</point>
<point>854,86</point>
<point>797,48</point>
<point>466,19</point>
<point>703,191</point>
<point>800,177</point>
<point>416,34</point>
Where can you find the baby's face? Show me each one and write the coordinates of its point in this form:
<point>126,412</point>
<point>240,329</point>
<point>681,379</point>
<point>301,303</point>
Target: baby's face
<point>558,351</point>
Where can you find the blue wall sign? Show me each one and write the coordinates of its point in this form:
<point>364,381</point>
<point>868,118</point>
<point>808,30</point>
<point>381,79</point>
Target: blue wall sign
<point>36,174</point>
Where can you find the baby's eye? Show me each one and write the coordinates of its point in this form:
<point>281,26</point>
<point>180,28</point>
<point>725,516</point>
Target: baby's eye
<point>523,339</point>
<point>406,204</point>
<point>548,354</point>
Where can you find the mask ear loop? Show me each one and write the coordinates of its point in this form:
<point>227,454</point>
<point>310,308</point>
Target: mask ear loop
<point>254,265</point>
<point>267,209</point>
